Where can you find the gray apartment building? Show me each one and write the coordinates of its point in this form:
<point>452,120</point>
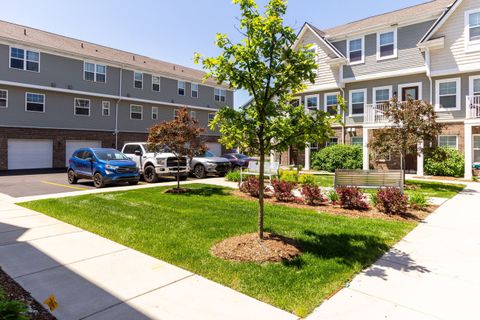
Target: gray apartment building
<point>430,51</point>
<point>58,94</point>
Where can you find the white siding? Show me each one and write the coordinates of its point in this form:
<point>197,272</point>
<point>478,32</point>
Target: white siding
<point>453,56</point>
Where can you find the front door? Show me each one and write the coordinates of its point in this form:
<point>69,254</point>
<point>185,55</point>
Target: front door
<point>410,92</point>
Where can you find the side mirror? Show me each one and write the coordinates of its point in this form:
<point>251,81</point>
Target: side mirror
<point>138,153</point>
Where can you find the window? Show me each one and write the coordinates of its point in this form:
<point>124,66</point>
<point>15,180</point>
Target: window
<point>194,90</point>
<point>175,113</point>
<point>357,102</point>
<point>314,146</point>
<point>34,102</point>
<point>81,107</point>
<point>476,148</point>
<point>3,98</point>
<point>138,80</point>
<point>24,59</point>
<point>220,94</point>
<point>154,113</point>
<point>136,112</point>
<point>313,49</point>
<point>105,108</point>
<point>357,141</point>
<point>181,88</point>
<point>332,141</point>
<point>331,103</point>
<point>382,95</point>
<point>94,72</point>
<point>448,94</point>
<point>448,141</point>
<point>296,102</point>
<point>475,85</point>
<point>472,30</point>
<point>156,83</point>
<point>211,116</point>
<point>387,45</point>
<point>193,115</point>
<point>132,148</point>
<point>355,51</point>
<point>311,102</point>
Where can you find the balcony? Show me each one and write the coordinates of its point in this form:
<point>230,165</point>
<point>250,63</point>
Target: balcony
<point>473,107</point>
<point>375,113</point>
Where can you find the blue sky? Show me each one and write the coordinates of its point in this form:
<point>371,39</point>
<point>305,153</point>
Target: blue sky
<point>174,30</point>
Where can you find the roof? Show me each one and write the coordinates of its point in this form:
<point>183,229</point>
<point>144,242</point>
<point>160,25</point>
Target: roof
<point>440,21</point>
<point>321,35</point>
<point>27,36</point>
<point>390,18</point>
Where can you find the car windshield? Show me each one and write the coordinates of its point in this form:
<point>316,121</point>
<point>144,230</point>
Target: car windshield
<point>110,154</point>
<point>208,154</point>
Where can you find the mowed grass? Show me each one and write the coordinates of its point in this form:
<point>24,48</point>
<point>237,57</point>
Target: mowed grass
<point>181,229</point>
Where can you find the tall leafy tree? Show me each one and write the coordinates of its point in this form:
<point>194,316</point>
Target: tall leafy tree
<point>272,70</point>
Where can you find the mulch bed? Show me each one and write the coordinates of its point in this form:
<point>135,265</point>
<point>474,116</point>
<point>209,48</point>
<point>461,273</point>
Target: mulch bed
<point>249,248</point>
<point>411,215</point>
<point>14,291</point>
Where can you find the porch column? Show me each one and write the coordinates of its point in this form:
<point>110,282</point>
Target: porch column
<point>468,152</point>
<point>307,157</point>
<point>366,160</point>
<point>420,160</point>
<point>272,156</point>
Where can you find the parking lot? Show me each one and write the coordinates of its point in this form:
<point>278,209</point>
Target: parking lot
<point>39,183</point>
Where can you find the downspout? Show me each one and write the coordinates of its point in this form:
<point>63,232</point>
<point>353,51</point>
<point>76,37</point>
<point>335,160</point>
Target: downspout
<point>341,85</point>
<point>116,108</point>
<point>429,75</point>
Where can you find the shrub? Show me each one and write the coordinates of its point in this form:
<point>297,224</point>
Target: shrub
<point>443,161</point>
<point>374,199</point>
<point>251,186</point>
<point>12,309</point>
<point>332,196</point>
<point>289,175</point>
<point>391,201</point>
<point>352,198</point>
<point>283,190</point>
<point>233,176</point>
<point>306,179</point>
<point>340,156</point>
<point>312,194</point>
<point>418,200</point>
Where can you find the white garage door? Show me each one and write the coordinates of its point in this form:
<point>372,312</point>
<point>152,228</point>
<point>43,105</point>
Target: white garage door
<point>30,154</point>
<point>72,145</point>
<point>215,148</point>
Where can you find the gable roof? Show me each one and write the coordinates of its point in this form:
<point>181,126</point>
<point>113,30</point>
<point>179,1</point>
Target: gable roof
<point>321,36</point>
<point>22,35</point>
<point>440,21</point>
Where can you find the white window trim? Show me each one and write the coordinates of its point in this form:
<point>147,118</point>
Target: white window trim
<point>141,112</point>
<point>159,83</point>
<point>437,94</point>
<point>329,142</point>
<point>298,99</point>
<point>220,95</point>
<point>135,80</point>
<point>473,145</point>
<point>94,71</point>
<point>470,46</point>
<point>6,98</point>
<point>191,89</point>
<point>413,84</point>
<point>395,45</point>
<point>184,87</point>
<point>357,144</point>
<point>365,99</point>
<point>44,102</point>
<point>193,115</point>
<point>325,100</point>
<point>375,89</point>
<point>471,79</point>
<point>175,113</point>
<point>209,114</point>
<point>75,107</point>
<point>448,135</point>
<point>24,59</point>
<point>106,105</point>
<point>363,50</point>
<point>154,111</point>
<point>312,96</point>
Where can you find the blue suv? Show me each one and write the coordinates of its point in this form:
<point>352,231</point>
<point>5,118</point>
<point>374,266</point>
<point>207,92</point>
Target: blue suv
<point>103,166</point>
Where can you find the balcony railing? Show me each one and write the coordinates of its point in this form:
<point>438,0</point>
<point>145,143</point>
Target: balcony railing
<point>473,107</point>
<point>375,113</point>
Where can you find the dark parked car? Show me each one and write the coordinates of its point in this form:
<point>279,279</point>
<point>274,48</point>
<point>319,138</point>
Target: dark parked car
<point>238,160</point>
<point>103,166</point>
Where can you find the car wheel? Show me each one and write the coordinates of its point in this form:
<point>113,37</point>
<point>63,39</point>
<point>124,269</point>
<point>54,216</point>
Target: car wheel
<point>98,181</point>
<point>199,171</point>
<point>72,179</point>
<point>149,174</point>
<point>133,183</point>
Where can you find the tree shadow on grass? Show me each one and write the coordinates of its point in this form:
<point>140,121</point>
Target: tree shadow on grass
<point>205,191</point>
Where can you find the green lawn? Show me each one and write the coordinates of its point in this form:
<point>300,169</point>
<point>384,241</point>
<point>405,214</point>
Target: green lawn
<point>181,229</point>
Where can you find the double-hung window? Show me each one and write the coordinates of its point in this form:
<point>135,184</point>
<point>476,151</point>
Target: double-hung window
<point>357,102</point>
<point>332,141</point>
<point>311,102</point>
<point>448,94</point>
<point>331,103</point>
<point>382,95</point>
<point>211,116</point>
<point>181,88</point>
<point>34,102</point>
<point>24,59</point>
<point>358,141</point>
<point>193,115</point>
<point>449,141</point>
<point>156,83</point>
<point>94,72</point>
<point>81,107</point>
<point>138,80</point>
<point>475,86</point>
<point>472,30</point>
<point>154,113</point>
<point>3,98</point>
<point>476,148</point>
<point>387,45</point>
<point>355,51</point>
<point>136,112</point>
<point>296,101</point>
<point>105,108</point>
<point>194,90</point>
<point>220,95</point>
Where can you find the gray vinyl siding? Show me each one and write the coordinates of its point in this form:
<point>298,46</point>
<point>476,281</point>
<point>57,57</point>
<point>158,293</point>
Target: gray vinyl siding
<point>408,55</point>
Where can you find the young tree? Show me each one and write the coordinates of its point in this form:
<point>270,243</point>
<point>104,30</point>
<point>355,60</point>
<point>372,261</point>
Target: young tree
<point>180,136</point>
<point>268,66</point>
<point>412,122</point>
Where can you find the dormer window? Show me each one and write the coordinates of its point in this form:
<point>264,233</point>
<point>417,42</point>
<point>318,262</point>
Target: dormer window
<point>387,45</point>
<point>472,30</point>
<point>355,51</point>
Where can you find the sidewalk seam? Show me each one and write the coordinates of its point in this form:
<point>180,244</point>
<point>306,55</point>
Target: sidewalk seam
<point>34,239</point>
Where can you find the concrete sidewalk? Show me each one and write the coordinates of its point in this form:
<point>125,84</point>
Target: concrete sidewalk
<point>433,273</point>
<point>95,278</point>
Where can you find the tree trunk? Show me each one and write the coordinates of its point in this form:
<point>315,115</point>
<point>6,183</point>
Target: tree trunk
<point>402,164</point>
<point>261,191</point>
<point>178,173</point>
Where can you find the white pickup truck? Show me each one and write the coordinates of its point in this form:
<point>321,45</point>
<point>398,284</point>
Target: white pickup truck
<point>155,164</point>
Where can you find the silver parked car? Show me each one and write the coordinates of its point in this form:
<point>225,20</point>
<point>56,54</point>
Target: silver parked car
<point>208,163</point>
